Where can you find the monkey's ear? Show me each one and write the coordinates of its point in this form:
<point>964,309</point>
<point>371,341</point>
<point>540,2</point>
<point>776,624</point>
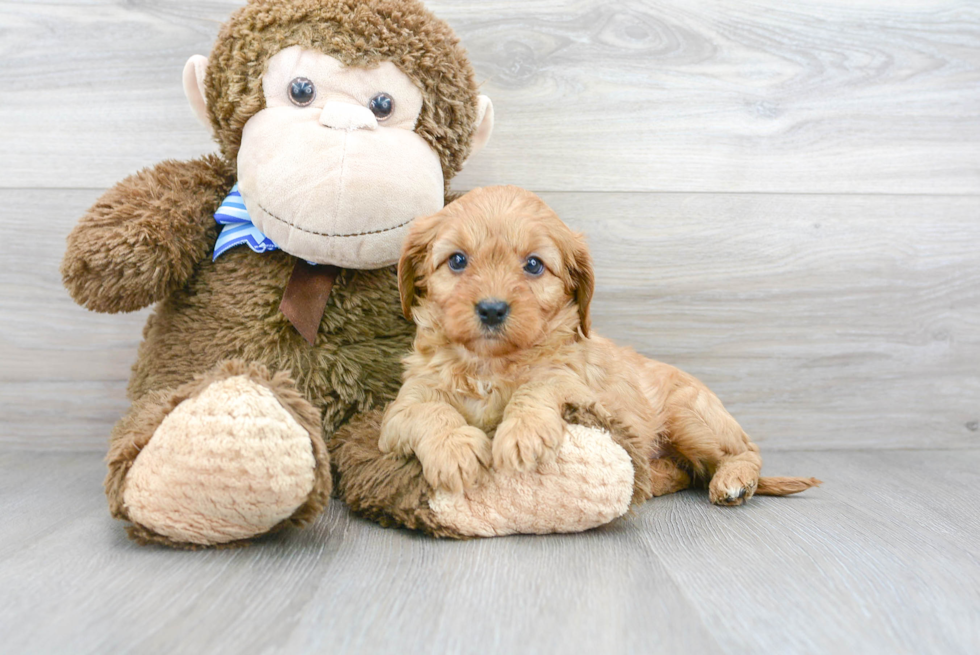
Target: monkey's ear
<point>194,71</point>
<point>484,124</point>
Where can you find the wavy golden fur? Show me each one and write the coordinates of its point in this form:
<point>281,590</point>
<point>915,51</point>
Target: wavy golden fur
<point>481,392</point>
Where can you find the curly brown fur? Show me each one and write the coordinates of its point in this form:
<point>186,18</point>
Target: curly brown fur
<point>357,32</point>
<point>142,238</point>
<point>476,385</point>
<point>231,310</point>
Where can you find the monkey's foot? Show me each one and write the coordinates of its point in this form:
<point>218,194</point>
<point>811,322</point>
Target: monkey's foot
<point>588,484</point>
<point>226,464</point>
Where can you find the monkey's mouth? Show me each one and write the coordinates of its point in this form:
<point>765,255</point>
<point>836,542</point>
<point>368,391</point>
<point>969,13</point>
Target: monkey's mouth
<point>350,235</point>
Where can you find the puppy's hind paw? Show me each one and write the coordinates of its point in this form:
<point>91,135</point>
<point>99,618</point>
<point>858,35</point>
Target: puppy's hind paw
<point>731,487</point>
<point>455,461</point>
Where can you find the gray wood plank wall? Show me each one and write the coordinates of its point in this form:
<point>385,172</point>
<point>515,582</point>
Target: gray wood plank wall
<point>782,198</point>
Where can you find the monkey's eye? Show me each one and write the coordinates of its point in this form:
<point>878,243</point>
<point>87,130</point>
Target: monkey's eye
<point>301,91</point>
<point>381,106</point>
<point>457,262</point>
<point>533,266</point>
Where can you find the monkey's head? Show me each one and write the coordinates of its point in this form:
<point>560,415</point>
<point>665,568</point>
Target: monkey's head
<point>346,119</point>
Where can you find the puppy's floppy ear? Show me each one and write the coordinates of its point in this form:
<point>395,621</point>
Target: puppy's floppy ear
<point>579,262</point>
<point>414,251</point>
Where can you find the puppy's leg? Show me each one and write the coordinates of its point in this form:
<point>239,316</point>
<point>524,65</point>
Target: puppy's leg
<point>454,455</point>
<point>667,477</point>
<point>532,429</point>
<point>703,432</point>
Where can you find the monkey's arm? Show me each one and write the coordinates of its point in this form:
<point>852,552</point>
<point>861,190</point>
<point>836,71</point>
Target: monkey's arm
<point>142,238</point>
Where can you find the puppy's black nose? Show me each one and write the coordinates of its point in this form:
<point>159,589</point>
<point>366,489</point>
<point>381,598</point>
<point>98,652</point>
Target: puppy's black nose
<point>492,312</point>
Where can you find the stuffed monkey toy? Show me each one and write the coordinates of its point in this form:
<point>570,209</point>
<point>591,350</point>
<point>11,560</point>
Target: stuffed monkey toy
<point>277,316</point>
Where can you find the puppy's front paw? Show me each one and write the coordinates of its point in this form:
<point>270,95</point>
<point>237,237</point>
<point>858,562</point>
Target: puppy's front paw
<point>457,460</point>
<point>521,443</point>
<point>391,441</point>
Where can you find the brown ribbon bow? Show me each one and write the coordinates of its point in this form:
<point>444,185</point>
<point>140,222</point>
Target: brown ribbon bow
<point>305,298</point>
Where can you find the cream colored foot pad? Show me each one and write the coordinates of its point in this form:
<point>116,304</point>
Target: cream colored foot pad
<point>589,484</point>
<point>227,464</point>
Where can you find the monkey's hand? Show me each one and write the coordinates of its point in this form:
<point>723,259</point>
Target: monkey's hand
<point>142,238</point>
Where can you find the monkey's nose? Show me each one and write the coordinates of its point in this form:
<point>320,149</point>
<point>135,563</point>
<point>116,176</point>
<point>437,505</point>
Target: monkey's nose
<point>347,116</point>
<point>492,312</point>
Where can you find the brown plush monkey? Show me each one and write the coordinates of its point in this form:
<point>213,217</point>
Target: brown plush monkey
<point>338,121</point>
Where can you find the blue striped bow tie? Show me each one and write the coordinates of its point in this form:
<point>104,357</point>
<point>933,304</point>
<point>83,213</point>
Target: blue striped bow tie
<point>305,297</point>
<point>238,227</point>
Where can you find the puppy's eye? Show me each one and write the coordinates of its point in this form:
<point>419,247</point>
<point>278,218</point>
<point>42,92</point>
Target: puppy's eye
<point>301,92</point>
<point>381,106</point>
<point>533,266</point>
<point>457,262</point>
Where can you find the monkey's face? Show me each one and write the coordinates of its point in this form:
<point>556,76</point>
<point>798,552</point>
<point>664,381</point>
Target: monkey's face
<point>331,169</point>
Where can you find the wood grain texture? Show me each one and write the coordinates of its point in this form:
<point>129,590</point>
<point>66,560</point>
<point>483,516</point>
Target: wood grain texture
<point>824,96</point>
<point>821,321</point>
<point>881,559</point>
<point>886,547</point>
<point>782,198</point>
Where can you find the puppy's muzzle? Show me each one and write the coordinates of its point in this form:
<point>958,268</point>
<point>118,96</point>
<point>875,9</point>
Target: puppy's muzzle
<point>492,312</point>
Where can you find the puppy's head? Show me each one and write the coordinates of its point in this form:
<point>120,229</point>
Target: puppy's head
<point>496,271</point>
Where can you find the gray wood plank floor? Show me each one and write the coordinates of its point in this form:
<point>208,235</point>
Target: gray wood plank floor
<point>884,558</point>
<point>782,198</point>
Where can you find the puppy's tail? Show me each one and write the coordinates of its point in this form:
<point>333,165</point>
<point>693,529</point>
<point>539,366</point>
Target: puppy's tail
<point>784,486</point>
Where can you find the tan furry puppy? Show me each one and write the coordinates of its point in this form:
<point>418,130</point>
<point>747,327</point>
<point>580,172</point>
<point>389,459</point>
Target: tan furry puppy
<point>503,288</point>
